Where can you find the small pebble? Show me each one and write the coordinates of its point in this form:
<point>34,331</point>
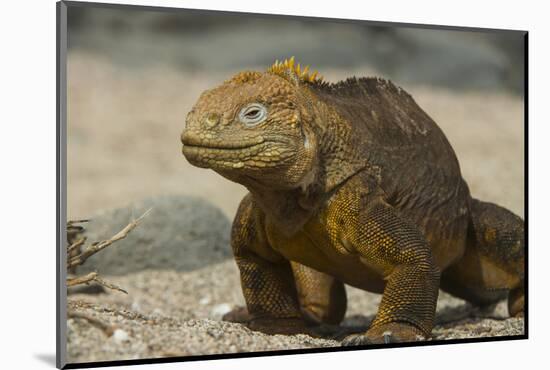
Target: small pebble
<point>120,336</point>
<point>204,300</point>
<point>157,311</point>
<point>219,310</point>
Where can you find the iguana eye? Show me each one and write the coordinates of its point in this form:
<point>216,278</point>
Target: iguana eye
<point>253,114</point>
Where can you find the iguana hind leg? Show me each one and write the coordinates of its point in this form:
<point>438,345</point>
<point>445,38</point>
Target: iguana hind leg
<point>493,263</point>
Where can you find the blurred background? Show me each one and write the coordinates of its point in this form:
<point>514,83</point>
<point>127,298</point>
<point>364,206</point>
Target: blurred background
<point>134,74</point>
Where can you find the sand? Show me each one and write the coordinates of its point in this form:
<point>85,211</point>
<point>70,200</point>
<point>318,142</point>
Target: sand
<point>181,280</point>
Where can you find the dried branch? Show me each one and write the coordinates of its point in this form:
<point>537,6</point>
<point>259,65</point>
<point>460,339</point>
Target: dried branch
<point>72,222</point>
<point>91,277</point>
<point>74,240</point>
<point>106,284</point>
<point>106,328</point>
<point>75,257</point>
<point>98,246</point>
<point>73,247</point>
<point>73,230</point>
<point>81,279</point>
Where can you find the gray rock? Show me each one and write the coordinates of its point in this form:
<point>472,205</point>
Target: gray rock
<point>180,233</point>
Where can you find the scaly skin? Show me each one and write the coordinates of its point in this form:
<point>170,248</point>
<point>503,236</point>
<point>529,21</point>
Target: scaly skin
<point>349,183</point>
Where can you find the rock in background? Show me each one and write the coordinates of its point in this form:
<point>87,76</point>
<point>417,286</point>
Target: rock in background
<point>180,233</point>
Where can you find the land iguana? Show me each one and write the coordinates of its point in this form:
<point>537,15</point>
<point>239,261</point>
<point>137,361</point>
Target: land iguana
<point>349,182</point>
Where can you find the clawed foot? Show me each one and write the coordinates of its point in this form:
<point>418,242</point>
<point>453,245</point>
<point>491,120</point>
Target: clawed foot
<point>272,325</point>
<point>516,303</point>
<point>268,325</point>
<point>519,314</point>
<point>363,339</point>
<point>239,315</point>
<point>384,334</point>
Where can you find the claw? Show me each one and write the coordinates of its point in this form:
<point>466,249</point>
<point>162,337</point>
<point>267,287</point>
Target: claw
<point>355,340</point>
<point>387,337</point>
<point>238,315</point>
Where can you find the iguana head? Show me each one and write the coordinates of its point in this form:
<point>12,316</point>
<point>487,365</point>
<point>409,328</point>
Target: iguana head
<point>256,127</point>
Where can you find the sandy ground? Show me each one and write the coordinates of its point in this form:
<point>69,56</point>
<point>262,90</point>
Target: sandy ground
<point>181,279</point>
<point>170,313</point>
<point>123,146</point>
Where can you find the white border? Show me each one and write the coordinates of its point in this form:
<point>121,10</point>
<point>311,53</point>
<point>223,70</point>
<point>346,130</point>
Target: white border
<point>28,182</point>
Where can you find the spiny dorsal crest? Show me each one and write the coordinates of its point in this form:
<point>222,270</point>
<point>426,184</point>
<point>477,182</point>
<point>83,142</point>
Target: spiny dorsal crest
<point>289,70</point>
<point>244,77</point>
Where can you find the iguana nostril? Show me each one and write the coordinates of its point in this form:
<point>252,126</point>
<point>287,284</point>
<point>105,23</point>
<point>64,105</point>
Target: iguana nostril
<point>212,119</point>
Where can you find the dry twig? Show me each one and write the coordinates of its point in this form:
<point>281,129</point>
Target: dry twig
<point>76,257</point>
<point>91,277</point>
<point>74,239</point>
<point>98,246</point>
<point>74,230</point>
<point>106,284</point>
<point>105,328</point>
<point>74,247</point>
<point>81,279</point>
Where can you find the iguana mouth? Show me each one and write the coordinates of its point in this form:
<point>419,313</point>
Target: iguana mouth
<point>192,140</point>
<point>225,147</point>
<point>228,151</point>
<point>226,156</point>
<point>251,156</point>
<point>252,153</point>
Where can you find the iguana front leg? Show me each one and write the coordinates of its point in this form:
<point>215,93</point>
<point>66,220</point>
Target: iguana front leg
<point>398,250</point>
<point>322,298</point>
<point>266,278</point>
